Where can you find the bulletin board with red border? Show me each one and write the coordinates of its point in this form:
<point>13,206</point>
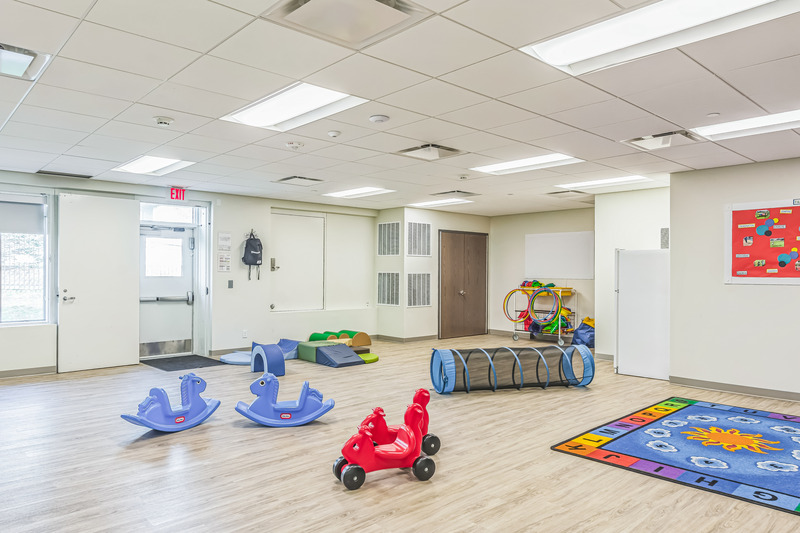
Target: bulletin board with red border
<point>764,243</point>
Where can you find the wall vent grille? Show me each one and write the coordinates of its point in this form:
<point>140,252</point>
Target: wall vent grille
<point>388,288</point>
<point>419,290</point>
<point>389,238</point>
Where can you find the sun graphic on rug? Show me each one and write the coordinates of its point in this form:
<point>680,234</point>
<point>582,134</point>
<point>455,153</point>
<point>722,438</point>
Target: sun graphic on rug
<point>731,439</point>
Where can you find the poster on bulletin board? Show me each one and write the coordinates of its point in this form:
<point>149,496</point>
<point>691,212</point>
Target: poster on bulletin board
<point>763,242</point>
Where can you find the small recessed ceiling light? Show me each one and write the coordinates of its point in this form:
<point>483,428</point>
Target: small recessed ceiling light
<point>293,106</point>
<point>153,166</point>
<point>359,193</point>
<point>603,183</point>
<point>379,119</point>
<point>712,115</point>
<point>531,163</point>
<point>19,62</point>
<point>438,203</point>
<point>750,126</point>
<point>656,27</point>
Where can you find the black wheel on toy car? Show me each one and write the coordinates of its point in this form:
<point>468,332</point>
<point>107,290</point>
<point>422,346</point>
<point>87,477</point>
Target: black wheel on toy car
<point>353,476</point>
<point>430,444</point>
<point>338,464</point>
<point>423,468</point>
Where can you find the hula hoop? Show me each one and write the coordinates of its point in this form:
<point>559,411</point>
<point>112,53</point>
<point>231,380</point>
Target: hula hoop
<point>505,306</point>
<point>553,314</point>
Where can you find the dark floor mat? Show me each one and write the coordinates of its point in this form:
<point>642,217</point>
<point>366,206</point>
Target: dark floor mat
<point>181,362</point>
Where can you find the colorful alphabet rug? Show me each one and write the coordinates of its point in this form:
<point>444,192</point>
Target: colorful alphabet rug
<point>747,454</point>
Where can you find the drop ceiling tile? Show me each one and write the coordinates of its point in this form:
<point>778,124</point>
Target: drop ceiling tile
<point>359,116</point>
<point>44,133</point>
<point>34,145</point>
<point>600,114</point>
<point>312,161</point>
<point>514,151</point>
<point>345,153</point>
<point>766,147</point>
<point>184,154</point>
<point>436,46</point>
<point>654,169</point>
<point>23,160</point>
<point>750,46</point>
<point>725,159</point>
<point>389,161</point>
<point>320,128</point>
<point>93,79</point>
<point>12,90</point>
<point>431,130</point>
<point>57,119</point>
<point>488,115</point>
<point>79,165</point>
<point>578,168</point>
<point>584,145</point>
<point>438,5</point>
<point>135,132</point>
<point>270,47</point>
<point>308,144</point>
<point>532,129</point>
<point>505,74</point>
<point>123,177</point>
<point>232,161</point>
<point>75,101</point>
<point>127,52</point>
<point>623,161</point>
<point>215,170</point>
<point>229,78</point>
<point>384,142</point>
<point>145,116</point>
<point>519,23</point>
<point>651,72</point>
<point>73,8</point>
<point>365,76</point>
<point>433,98</point>
<point>557,96</point>
<point>630,129</point>
<point>206,144</point>
<point>208,23</point>
<point>475,142</point>
<point>355,169</point>
<point>30,27</point>
<point>771,85</point>
<point>110,148</point>
<point>252,7</point>
<point>261,153</point>
<point>687,104</point>
<point>194,101</point>
<point>6,109</point>
<point>238,133</point>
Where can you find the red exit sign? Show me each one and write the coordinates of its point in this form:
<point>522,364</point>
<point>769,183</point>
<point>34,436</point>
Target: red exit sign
<point>177,194</point>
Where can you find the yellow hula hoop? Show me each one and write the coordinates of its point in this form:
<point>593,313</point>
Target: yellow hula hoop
<point>524,317</point>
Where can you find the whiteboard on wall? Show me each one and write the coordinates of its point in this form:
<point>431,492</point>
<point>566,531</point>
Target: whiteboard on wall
<point>568,255</point>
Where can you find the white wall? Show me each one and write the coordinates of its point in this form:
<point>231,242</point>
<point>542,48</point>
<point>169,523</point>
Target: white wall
<point>391,319</point>
<point>28,347</point>
<point>741,335</point>
<point>629,221</point>
<point>507,258</point>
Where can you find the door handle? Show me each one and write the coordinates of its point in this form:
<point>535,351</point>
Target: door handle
<point>189,297</point>
<point>68,298</point>
<point>272,265</point>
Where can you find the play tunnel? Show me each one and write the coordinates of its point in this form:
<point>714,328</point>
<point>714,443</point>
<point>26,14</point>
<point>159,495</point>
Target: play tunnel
<point>510,368</point>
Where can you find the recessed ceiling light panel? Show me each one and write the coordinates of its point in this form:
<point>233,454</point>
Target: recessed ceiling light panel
<point>359,193</point>
<point>656,27</point>
<point>603,183</point>
<point>530,163</point>
<point>440,203</point>
<point>751,126</point>
<point>153,166</point>
<point>17,62</point>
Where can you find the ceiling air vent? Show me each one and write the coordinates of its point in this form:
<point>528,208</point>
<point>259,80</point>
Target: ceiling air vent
<point>663,140</point>
<point>63,174</point>
<point>299,180</point>
<point>456,194</point>
<point>351,23</point>
<point>578,196</point>
<point>430,152</point>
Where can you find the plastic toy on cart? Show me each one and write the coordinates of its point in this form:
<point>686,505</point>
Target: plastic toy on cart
<point>360,454</point>
<point>266,410</point>
<point>384,434</point>
<point>155,411</point>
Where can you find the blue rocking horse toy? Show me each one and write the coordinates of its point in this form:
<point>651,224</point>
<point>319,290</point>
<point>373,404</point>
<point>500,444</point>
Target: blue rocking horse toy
<point>155,411</point>
<point>266,410</point>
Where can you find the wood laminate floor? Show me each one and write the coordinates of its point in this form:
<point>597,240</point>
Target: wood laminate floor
<point>69,463</point>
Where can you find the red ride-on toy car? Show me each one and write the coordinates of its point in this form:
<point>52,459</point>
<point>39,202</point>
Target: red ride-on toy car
<point>383,434</point>
<point>360,454</point>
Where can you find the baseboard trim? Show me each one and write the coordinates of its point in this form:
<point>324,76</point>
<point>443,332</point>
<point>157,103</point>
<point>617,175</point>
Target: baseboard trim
<point>603,356</point>
<point>739,389</point>
<point>217,353</point>
<point>407,339</point>
<point>522,334</point>
<point>27,371</point>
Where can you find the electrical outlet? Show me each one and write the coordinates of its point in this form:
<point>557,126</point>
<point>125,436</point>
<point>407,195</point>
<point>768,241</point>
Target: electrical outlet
<point>244,333</point>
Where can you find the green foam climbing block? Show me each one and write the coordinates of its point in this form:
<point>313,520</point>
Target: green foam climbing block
<point>368,357</point>
<point>307,351</point>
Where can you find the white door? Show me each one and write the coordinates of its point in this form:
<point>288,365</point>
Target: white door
<point>98,282</point>
<point>166,290</point>
<point>297,246</point>
<point>643,313</point>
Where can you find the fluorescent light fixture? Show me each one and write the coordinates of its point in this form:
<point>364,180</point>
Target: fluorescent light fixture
<point>153,166</point>
<point>19,62</point>
<point>603,183</point>
<point>359,193</point>
<point>750,126</point>
<point>531,163</point>
<point>293,106</point>
<point>653,28</point>
<point>439,203</point>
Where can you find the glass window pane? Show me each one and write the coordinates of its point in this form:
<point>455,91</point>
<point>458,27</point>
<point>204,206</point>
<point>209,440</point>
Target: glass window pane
<point>22,277</point>
<point>179,214</point>
<point>163,257</point>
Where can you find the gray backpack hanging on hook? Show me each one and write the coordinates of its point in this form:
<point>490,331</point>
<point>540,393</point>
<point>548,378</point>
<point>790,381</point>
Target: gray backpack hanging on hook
<point>252,254</point>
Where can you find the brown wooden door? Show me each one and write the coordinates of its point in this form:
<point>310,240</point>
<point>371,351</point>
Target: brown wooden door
<point>462,284</point>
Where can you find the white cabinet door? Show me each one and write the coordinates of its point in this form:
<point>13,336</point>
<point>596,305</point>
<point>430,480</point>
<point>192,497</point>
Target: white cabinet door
<point>98,282</point>
<point>643,313</point>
